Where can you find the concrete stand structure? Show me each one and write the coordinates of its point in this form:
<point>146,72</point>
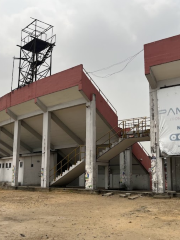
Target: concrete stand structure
<point>50,131</point>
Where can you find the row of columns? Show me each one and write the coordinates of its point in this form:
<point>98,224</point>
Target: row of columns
<point>91,166</point>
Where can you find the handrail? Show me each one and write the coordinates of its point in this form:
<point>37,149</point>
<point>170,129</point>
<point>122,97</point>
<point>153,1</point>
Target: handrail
<point>131,119</point>
<point>130,128</point>
<point>108,133</point>
<point>99,90</point>
<point>69,159</point>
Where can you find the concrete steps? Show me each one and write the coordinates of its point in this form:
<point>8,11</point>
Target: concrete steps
<point>69,175</point>
<point>118,147</point>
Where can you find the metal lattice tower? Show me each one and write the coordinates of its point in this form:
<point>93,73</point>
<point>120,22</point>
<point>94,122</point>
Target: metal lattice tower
<point>35,62</point>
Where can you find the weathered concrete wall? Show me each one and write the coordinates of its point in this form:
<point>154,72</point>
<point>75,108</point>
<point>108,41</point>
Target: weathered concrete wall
<point>101,176</point>
<point>29,169</point>
<point>140,178</point>
<point>114,172</point>
<point>6,172</point>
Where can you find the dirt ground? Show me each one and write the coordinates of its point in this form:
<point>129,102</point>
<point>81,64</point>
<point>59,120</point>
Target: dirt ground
<point>68,215</point>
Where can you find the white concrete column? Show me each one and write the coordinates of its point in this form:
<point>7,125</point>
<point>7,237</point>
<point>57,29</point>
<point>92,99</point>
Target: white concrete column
<point>90,164</point>
<point>106,177</point>
<point>122,164</point>
<point>157,163</point>
<point>128,160</point>
<point>16,148</point>
<point>173,173</point>
<point>45,150</point>
<point>169,174</point>
<point>125,162</point>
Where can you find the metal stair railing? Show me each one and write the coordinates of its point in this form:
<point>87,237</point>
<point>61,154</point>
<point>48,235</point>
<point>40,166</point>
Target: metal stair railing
<point>134,126</point>
<point>128,128</point>
<point>72,158</point>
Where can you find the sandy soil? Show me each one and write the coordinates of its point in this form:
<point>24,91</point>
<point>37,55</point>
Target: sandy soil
<point>59,215</point>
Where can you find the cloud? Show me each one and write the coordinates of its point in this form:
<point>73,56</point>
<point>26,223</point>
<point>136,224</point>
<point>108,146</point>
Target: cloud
<point>96,34</point>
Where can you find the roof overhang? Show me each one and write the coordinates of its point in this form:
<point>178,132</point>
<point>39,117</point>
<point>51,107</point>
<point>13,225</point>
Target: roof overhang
<point>162,60</point>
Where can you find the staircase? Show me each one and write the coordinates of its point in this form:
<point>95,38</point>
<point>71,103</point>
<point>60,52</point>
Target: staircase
<point>127,133</point>
<point>69,168</point>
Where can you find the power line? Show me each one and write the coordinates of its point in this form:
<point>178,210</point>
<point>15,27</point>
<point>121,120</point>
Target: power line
<point>130,59</point>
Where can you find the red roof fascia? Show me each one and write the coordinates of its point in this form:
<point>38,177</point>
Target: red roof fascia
<point>162,51</point>
<point>57,82</point>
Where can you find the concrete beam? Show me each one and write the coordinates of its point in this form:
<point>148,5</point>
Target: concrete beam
<point>6,145</point>
<point>11,114</point>
<point>75,145</point>
<point>33,132</point>
<point>40,105</point>
<point>10,135</point>
<point>74,103</point>
<point>152,80</point>
<point>4,152</point>
<point>51,108</point>
<point>66,129</point>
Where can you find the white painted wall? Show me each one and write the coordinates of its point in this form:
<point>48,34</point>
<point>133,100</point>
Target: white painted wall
<point>29,173</point>
<point>6,173</point>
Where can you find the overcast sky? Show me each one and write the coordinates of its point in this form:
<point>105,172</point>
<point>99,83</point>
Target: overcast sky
<point>95,33</point>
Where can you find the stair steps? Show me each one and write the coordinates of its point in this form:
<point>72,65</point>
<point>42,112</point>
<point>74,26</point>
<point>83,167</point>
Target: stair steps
<point>69,175</point>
